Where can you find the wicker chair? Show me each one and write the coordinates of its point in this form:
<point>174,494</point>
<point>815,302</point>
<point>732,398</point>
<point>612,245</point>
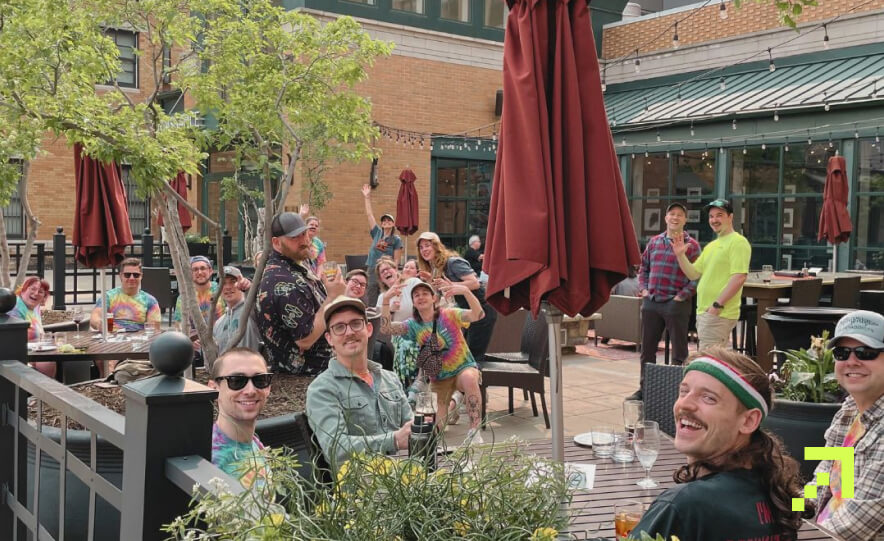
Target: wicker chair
<point>659,392</point>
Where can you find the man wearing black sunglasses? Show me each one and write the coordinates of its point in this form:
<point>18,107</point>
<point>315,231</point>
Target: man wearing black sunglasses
<point>243,383</point>
<point>131,307</point>
<point>858,348</point>
<point>355,405</point>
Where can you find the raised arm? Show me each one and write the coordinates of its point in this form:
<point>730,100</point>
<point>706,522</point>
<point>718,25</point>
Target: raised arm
<point>475,313</point>
<point>366,194</point>
<point>388,326</point>
<point>679,248</point>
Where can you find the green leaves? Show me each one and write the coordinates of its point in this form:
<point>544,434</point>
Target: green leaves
<point>809,374</point>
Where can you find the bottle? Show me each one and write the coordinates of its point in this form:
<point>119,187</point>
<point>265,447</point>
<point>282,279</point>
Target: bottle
<point>804,271</point>
<point>422,443</point>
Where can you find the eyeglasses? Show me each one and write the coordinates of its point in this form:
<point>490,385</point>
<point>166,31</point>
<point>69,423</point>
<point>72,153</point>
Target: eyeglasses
<point>239,381</point>
<point>358,283</point>
<point>131,275</point>
<point>200,269</point>
<point>863,353</point>
<point>339,329</point>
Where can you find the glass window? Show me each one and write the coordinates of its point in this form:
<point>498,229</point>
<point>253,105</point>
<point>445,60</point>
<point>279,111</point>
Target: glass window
<point>650,176</point>
<point>755,171</point>
<point>463,199</point>
<point>694,178</point>
<point>457,10</point>
<point>414,6</point>
<point>805,167</point>
<point>495,13</point>
<point>139,207</point>
<point>367,2</point>
<point>868,207</point>
<point>127,42</point>
<point>14,215</point>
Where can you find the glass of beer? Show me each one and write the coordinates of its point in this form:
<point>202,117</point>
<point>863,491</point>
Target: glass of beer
<point>110,323</point>
<point>425,404</point>
<point>330,268</point>
<point>627,515</point>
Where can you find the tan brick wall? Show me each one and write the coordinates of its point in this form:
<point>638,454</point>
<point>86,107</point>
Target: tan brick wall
<point>706,25</point>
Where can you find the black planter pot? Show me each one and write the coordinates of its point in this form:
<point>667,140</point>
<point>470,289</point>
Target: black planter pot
<point>792,332</point>
<point>800,425</point>
<point>198,248</point>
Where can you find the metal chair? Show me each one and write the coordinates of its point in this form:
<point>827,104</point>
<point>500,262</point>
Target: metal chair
<point>659,392</point>
<point>806,292</point>
<point>357,262</point>
<point>502,338</point>
<point>158,282</point>
<point>528,376</point>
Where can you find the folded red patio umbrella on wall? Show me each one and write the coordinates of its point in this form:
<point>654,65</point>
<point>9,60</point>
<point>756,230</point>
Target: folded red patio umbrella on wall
<point>406,203</point>
<point>835,224</point>
<point>179,184</point>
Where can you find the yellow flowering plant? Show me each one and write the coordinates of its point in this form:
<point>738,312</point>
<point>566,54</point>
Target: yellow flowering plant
<point>498,493</point>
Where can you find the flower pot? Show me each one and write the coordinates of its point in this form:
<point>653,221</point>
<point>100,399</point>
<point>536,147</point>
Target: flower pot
<point>800,425</point>
<point>198,248</point>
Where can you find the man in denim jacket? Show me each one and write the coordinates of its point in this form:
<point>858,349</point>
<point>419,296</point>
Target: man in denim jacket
<point>355,405</point>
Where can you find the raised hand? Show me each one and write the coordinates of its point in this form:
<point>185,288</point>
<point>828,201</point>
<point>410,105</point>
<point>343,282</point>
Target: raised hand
<point>304,210</point>
<point>678,245</point>
<point>366,190</point>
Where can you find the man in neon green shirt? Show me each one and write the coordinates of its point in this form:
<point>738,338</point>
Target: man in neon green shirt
<point>722,269</point>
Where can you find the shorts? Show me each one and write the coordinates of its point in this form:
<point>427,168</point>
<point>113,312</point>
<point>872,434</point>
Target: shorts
<point>444,388</point>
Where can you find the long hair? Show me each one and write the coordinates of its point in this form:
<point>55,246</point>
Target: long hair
<point>438,263</point>
<point>29,281</point>
<point>764,454</point>
<point>384,260</point>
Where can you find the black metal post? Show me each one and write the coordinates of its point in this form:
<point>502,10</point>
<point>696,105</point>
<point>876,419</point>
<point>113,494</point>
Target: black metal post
<point>227,243</point>
<point>41,260</point>
<point>59,269</point>
<point>166,417</point>
<point>147,248</point>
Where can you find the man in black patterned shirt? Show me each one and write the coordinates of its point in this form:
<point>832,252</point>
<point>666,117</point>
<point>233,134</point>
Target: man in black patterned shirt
<point>291,301</point>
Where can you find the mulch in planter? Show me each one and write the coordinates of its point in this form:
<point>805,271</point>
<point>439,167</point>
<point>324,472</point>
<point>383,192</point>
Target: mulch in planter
<point>288,394</point>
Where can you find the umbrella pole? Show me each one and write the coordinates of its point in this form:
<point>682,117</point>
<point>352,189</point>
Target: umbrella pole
<point>103,289</point>
<point>557,421</point>
<point>835,258</point>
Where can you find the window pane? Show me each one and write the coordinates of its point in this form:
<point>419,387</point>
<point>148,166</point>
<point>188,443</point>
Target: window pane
<point>805,167</point>
<point>694,177</point>
<point>458,10</point>
<point>495,13</point>
<point>650,176</point>
<point>415,6</point>
<point>871,167</point>
<point>800,257</point>
<point>869,233</point>
<point>451,217</point>
<point>126,42</point>
<point>755,172</point>
<point>139,208</point>
<point>451,177</point>
<point>756,219</point>
<point>801,220</point>
<point>14,216</point>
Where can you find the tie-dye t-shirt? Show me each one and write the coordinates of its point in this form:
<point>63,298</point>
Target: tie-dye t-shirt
<point>243,461</point>
<point>456,354</point>
<point>21,311</point>
<point>205,301</point>
<point>131,313</point>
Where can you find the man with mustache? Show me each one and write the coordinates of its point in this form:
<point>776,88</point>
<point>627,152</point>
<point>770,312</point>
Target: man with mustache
<point>738,482</point>
<point>858,348</point>
<point>291,301</point>
<point>722,269</point>
<point>355,405</point>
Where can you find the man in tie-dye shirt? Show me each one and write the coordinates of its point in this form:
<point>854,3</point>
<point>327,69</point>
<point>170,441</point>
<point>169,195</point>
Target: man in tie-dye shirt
<point>132,307</point>
<point>201,272</point>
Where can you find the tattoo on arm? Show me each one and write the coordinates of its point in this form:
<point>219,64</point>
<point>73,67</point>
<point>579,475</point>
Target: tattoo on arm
<point>391,327</point>
<point>473,407</point>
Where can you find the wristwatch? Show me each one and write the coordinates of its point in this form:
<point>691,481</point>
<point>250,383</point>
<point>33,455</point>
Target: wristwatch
<point>717,305</point>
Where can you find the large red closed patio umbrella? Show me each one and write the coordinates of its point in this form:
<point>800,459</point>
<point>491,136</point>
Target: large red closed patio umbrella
<point>835,224</point>
<point>179,184</point>
<point>407,212</point>
<point>101,217</point>
<point>560,229</point>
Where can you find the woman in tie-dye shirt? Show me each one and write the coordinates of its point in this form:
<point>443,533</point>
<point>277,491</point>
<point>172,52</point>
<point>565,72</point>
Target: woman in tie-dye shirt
<point>31,296</point>
<point>459,370</point>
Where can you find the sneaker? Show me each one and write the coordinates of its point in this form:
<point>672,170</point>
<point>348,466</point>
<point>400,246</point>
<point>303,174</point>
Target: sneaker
<point>635,396</point>
<point>474,436</point>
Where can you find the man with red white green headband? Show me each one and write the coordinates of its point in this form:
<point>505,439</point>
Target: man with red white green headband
<point>738,482</point>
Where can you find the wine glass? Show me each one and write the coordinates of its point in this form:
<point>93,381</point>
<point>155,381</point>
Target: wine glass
<point>79,316</point>
<point>632,414</point>
<point>647,446</point>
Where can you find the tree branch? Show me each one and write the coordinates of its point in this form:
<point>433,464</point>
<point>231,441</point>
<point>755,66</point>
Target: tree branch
<point>167,188</point>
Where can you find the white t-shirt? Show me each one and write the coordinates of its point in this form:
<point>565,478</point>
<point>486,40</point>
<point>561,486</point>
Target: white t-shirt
<point>405,310</point>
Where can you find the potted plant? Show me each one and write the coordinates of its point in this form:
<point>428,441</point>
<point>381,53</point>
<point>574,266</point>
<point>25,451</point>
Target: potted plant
<point>197,244</point>
<point>807,398</point>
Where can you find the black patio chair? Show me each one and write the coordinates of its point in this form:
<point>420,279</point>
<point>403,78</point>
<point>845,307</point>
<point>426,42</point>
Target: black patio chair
<point>158,282</point>
<point>659,392</point>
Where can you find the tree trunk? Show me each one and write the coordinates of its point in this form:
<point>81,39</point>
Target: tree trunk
<point>5,281</point>
<point>33,224</point>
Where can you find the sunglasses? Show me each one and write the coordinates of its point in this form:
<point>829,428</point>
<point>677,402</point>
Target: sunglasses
<point>339,329</point>
<point>863,353</point>
<point>239,381</point>
<point>131,275</point>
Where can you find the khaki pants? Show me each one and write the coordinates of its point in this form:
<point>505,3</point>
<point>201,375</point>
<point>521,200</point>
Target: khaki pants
<point>714,331</point>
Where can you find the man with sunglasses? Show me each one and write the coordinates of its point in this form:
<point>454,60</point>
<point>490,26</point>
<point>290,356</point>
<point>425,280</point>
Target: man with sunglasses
<point>858,348</point>
<point>240,376</point>
<point>357,281</point>
<point>132,307</point>
<point>355,405</point>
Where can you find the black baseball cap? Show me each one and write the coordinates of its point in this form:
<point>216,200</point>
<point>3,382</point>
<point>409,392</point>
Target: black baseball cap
<point>287,224</point>
<point>677,204</point>
<point>722,204</point>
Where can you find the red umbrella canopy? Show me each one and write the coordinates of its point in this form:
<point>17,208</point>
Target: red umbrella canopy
<point>406,203</point>
<point>101,220</point>
<point>559,227</point>
<point>179,184</point>
<point>835,225</point>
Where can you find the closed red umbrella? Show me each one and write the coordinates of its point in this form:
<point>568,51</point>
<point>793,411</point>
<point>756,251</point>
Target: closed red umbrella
<point>835,224</point>
<point>179,184</point>
<point>406,203</point>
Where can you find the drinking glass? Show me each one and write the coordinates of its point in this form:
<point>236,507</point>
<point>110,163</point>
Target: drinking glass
<point>79,316</point>
<point>627,515</point>
<point>632,414</point>
<point>647,446</point>
<point>603,440</point>
<point>110,323</point>
<point>766,273</point>
<point>60,339</point>
<point>623,448</point>
<point>330,268</point>
<point>425,404</point>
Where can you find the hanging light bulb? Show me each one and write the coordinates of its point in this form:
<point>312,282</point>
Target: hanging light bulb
<point>722,11</point>
<point>637,63</point>
<point>692,128</point>
<point>705,150</point>
<point>744,150</point>
<point>776,116</point>
<point>734,124</point>
<point>623,142</point>
<point>646,151</point>
<point>604,77</point>
<point>658,136</point>
<point>830,140</point>
<point>667,154</point>
<point>675,37</point>
<point>763,144</point>
<point>826,36</point>
<point>825,101</point>
<point>771,67</point>
<point>721,83</point>
<point>877,137</point>
<point>809,138</point>
<point>786,147</point>
<point>855,132</point>
<point>681,152</point>
<point>633,155</point>
<point>721,149</point>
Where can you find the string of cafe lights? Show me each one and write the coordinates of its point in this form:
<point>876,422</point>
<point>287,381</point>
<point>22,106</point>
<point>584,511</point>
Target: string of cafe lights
<point>482,138</point>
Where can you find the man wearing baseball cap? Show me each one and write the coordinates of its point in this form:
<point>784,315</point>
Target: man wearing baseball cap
<point>858,348</point>
<point>355,405</point>
<point>226,327</point>
<point>291,300</point>
<point>384,242</point>
<point>722,269</point>
<point>666,291</point>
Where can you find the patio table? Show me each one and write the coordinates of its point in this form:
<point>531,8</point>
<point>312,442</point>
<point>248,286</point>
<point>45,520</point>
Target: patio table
<point>592,511</point>
<point>766,295</point>
<point>137,346</point>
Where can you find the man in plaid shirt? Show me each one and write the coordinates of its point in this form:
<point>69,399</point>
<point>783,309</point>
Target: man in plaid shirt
<point>667,292</point>
<point>858,348</point>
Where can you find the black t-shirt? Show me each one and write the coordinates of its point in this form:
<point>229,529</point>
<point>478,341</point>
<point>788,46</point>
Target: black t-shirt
<point>726,506</point>
<point>455,269</point>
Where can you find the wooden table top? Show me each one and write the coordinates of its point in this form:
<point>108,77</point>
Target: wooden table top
<point>592,511</point>
<point>136,346</point>
<point>782,282</point>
